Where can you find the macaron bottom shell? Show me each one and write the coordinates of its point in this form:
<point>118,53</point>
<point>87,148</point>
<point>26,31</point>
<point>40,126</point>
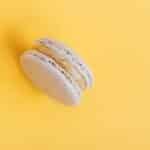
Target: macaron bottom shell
<point>40,70</point>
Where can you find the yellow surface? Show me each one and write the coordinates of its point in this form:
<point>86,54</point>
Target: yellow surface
<point>113,36</point>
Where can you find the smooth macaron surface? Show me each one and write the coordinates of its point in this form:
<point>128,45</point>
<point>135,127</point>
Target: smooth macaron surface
<point>42,71</point>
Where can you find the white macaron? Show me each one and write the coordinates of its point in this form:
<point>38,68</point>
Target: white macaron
<point>57,70</point>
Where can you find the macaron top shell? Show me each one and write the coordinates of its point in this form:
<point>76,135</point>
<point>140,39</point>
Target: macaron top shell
<point>68,55</point>
<point>46,74</point>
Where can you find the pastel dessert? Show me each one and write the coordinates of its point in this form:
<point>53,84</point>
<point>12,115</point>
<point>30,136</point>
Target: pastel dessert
<point>57,70</point>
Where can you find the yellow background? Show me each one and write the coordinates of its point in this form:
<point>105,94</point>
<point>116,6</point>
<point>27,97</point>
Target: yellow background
<point>113,36</point>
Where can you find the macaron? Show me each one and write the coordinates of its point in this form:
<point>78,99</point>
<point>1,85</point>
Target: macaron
<point>57,70</point>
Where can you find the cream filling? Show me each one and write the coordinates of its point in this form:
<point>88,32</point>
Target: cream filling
<point>62,62</point>
<point>70,56</point>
